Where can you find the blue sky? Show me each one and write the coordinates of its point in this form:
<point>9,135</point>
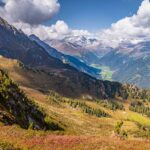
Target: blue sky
<point>94,14</point>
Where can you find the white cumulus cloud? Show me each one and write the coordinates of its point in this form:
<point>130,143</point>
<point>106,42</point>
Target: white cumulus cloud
<point>59,30</point>
<point>29,11</point>
<point>130,29</point>
<point>28,15</point>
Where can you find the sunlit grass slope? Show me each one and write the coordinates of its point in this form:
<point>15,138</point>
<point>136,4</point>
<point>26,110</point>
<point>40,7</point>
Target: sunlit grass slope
<point>88,124</point>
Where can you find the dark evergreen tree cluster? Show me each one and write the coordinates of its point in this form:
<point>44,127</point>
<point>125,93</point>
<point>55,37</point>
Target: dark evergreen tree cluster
<point>112,105</point>
<point>87,109</point>
<point>136,93</point>
<point>139,107</point>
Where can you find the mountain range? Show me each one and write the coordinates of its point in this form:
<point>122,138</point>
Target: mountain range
<point>128,62</point>
<point>131,63</point>
<point>65,79</point>
<point>67,59</point>
<point>50,99</point>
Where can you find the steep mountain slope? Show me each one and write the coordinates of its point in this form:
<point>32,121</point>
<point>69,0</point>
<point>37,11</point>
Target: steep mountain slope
<point>68,59</point>
<point>15,44</point>
<point>15,107</point>
<point>69,83</point>
<point>131,63</point>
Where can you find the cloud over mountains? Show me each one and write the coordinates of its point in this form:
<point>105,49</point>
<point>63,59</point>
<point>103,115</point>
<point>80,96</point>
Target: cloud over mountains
<point>135,28</point>
<point>29,15</point>
<point>29,11</point>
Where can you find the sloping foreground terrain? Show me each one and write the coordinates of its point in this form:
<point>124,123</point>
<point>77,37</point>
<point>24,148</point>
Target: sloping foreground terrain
<point>37,141</point>
<point>16,108</point>
<point>87,123</point>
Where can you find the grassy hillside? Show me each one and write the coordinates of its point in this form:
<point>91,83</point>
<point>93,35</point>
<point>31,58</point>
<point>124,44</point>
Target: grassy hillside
<point>88,123</point>
<point>82,129</point>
